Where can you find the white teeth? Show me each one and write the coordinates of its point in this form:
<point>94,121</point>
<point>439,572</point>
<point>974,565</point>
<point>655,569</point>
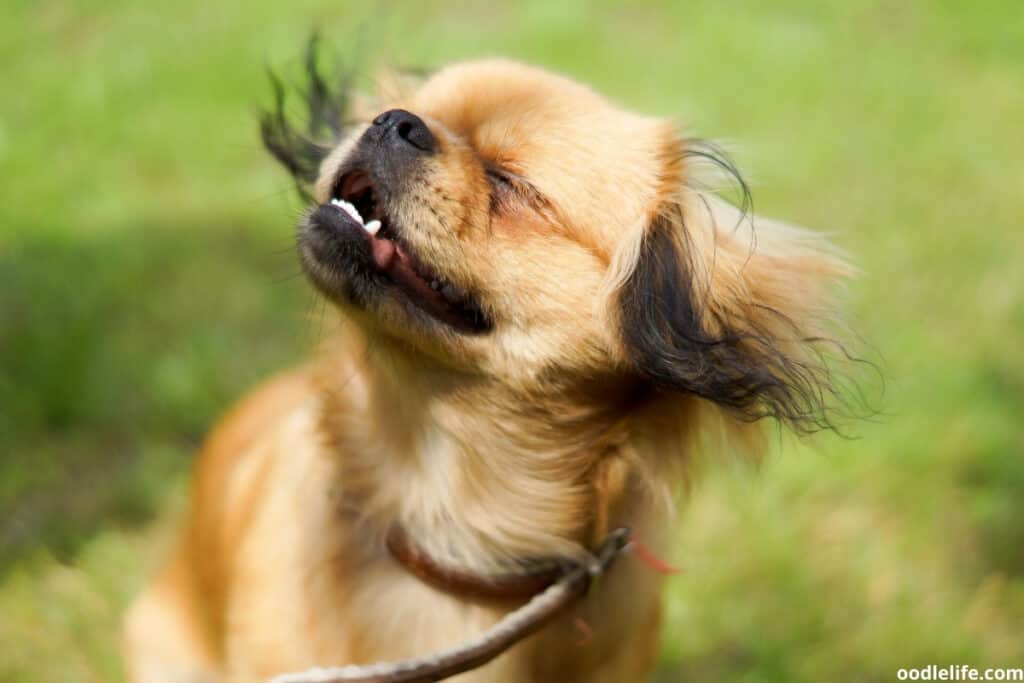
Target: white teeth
<point>372,227</point>
<point>349,209</point>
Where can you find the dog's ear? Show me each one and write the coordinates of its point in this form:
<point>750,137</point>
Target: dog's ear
<point>710,308</point>
<point>301,145</point>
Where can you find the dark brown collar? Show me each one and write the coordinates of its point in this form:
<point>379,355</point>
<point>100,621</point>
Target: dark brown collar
<point>535,576</point>
<point>571,586</point>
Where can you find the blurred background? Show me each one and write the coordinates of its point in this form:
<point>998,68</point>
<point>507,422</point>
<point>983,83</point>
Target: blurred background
<point>147,279</point>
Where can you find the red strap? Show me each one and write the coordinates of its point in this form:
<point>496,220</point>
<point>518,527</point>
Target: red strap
<point>652,561</point>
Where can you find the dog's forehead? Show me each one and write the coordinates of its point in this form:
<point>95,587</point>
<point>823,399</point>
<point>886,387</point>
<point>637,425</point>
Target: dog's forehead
<point>570,142</point>
<point>469,95</point>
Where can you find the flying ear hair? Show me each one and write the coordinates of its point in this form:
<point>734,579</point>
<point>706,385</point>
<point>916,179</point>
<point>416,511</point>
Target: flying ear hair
<point>301,146</point>
<point>757,353</point>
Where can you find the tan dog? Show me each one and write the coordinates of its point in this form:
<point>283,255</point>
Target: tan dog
<point>547,310</point>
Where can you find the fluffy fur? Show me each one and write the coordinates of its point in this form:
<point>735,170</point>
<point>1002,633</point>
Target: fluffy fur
<point>631,311</point>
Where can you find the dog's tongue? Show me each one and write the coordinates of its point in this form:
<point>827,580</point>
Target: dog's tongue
<point>383,252</point>
<point>401,268</point>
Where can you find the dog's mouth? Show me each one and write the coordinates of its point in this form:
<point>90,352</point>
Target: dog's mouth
<point>356,199</point>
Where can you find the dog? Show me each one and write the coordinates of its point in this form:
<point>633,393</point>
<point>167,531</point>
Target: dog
<point>548,317</point>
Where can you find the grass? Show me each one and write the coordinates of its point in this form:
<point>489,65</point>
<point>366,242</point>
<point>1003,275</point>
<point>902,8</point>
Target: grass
<point>146,280</point>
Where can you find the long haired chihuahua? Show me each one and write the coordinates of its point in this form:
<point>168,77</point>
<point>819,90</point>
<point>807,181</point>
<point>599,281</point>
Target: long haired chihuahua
<point>548,312</point>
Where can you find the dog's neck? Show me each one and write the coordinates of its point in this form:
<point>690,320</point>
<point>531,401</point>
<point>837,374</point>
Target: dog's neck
<point>482,475</point>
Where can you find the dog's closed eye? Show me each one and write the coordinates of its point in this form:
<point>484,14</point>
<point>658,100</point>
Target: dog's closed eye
<point>504,189</point>
<point>511,190</point>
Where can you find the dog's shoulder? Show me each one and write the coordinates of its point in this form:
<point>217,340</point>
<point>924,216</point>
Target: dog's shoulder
<point>269,402</point>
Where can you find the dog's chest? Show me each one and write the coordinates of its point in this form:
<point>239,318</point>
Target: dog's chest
<point>315,596</point>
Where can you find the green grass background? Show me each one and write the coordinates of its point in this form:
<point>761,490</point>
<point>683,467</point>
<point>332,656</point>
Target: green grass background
<point>147,279</point>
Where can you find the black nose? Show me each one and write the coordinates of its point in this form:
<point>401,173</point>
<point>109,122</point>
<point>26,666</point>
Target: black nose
<point>401,127</point>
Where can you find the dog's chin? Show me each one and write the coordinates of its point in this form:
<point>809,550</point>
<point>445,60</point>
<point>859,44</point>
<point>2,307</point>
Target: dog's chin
<point>368,269</point>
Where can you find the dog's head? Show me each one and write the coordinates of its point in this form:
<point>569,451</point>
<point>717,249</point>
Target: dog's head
<point>512,223</point>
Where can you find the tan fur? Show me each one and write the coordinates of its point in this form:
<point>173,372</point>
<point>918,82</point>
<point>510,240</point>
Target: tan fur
<point>532,440</point>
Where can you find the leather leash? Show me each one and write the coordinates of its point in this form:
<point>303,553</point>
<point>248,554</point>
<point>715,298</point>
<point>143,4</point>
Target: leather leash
<point>475,652</point>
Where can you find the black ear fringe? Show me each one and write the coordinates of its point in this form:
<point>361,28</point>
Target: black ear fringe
<point>747,370</point>
<point>301,146</point>
<point>711,153</point>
